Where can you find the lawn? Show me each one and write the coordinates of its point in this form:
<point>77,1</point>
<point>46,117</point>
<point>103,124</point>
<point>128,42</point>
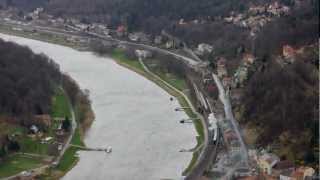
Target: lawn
<point>29,145</point>
<point>68,160</point>
<point>121,58</point>
<point>60,105</point>
<point>17,163</point>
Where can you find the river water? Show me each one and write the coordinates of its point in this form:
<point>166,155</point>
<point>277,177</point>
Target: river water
<point>133,115</point>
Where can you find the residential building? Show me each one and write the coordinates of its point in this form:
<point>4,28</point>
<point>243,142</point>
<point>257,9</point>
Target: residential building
<point>267,161</point>
<point>143,53</point>
<point>133,37</point>
<point>121,30</point>
<point>221,67</point>
<point>288,51</point>
<point>204,48</point>
<point>282,168</point>
<point>170,44</point>
<point>248,58</point>
<point>158,40</point>
<point>227,81</point>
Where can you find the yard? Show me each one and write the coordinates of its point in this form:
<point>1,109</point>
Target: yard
<point>16,163</point>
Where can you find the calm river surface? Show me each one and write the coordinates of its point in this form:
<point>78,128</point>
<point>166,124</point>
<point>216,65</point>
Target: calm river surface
<point>133,115</point>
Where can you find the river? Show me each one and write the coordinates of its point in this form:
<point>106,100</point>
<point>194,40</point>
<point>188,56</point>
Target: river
<point>133,115</point>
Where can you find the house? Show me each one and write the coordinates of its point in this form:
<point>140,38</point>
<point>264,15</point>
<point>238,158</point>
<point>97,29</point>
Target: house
<point>42,119</point>
<point>288,54</point>
<point>248,58</point>
<point>227,81</point>
<point>257,10</point>
<point>182,22</point>
<point>143,53</point>
<point>267,161</point>
<point>158,40</point>
<point>34,129</point>
<point>286,174</point>
<point>170,44</point>
<point>288,51</point>
<point>204,48</point>
<point>282,168</point>
<point>241,75</point>
<point>302,173</point>
<point>229,136</point>
<point>133,37</point>
<point>121,30</point>
<point>221,67</point>
<point>236,95</point>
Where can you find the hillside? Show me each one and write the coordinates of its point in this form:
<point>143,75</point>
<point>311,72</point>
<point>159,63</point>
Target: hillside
<point>27,80</point>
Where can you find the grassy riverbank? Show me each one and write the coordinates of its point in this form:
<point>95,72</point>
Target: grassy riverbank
<point>41,36</point>
<point>134,65</point>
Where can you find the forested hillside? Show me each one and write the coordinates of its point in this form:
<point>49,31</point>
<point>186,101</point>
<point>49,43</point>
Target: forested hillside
<point>282,102</point>
<point>27,81</point>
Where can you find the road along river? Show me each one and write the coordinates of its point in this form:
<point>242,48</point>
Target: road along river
<point>133,115</point>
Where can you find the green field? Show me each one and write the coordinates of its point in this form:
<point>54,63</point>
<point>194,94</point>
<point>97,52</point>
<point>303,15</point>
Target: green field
<point>17,163</point>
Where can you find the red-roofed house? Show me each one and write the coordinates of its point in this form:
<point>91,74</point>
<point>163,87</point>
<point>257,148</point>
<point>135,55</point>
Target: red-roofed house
<point>288,51</point>
<point>121,30</point>
<point>248,58</point>
<point>221,67</point>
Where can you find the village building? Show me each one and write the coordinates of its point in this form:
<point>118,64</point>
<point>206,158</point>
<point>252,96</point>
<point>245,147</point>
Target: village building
<point>227,81</point>
<point>170,44</point>
<point>283,167</point>
<point>231,140</point>
<point>240,76</point>
<point>121,31</point>
<point>267,161</point>
<point>254,10</point>
<point>143,53</point>
<point>158,40</point>
<point>236,95</point>
<point>248,59</point>
<point>133,37</point>
<point>221,67</point>
<point>300,173</point>
<point>288,52</point>
<point>204,49</point>
<point>34,129</point>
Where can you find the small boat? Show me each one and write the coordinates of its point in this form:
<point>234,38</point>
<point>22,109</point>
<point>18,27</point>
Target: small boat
<point>109,149</point>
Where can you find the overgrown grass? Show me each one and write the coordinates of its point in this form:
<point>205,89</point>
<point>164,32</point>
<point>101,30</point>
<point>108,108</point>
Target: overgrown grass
<point>16,163</point>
